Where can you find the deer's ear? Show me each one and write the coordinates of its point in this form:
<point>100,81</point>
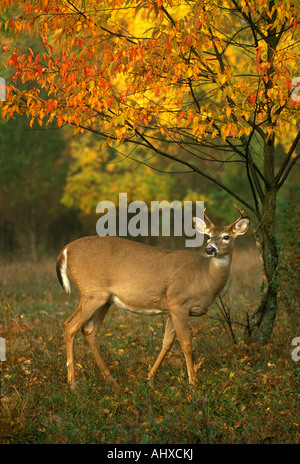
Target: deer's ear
<point>241,226</point>
<point>200,226</point>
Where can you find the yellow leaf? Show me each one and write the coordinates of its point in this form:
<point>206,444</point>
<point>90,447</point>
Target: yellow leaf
<point>228,111</point>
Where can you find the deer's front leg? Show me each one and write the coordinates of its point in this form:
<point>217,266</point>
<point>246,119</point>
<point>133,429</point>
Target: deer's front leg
<point>180,322</point>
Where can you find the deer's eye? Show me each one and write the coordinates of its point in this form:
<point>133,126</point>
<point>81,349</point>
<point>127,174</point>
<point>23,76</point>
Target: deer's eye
<point>226,237</point>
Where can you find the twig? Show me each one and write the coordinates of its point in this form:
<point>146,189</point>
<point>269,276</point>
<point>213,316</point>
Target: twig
<point>226,314</point>
<point>226,320</point>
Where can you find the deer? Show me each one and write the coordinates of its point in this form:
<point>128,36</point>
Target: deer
<point>144,279</point>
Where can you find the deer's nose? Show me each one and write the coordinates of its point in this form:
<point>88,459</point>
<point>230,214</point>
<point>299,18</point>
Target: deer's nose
<point>211,250</point>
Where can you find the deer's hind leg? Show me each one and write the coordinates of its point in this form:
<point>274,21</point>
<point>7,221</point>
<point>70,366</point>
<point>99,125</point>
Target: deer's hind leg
<point>85,312</point>
<point>168,341</point>
<point>90,331</point>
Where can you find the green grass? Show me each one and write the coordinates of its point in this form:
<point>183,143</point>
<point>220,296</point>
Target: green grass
<point>245,394</point>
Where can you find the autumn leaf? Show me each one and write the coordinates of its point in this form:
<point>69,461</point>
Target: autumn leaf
<point>240,423</point>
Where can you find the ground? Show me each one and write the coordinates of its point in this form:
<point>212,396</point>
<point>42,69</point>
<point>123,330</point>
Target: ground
<point>245,393</point>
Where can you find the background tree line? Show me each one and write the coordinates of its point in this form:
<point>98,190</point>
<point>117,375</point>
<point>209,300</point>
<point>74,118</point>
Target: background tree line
<point>51,182</point>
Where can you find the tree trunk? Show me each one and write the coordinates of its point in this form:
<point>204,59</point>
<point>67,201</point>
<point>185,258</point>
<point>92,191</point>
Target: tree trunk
<point>262,321</point>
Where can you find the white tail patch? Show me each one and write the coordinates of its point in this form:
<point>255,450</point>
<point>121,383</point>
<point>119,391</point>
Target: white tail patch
<point>64,275</point>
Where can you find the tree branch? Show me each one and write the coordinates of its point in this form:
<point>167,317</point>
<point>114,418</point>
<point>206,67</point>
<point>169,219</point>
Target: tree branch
<point>287,164</point>
<point>198,171</point>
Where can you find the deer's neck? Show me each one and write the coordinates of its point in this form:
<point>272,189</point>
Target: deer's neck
<point>219,269</point>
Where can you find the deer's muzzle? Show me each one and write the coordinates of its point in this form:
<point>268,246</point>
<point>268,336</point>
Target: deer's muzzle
<point>211,250</point>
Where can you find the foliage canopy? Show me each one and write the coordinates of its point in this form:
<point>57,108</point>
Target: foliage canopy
<point>202,76</point>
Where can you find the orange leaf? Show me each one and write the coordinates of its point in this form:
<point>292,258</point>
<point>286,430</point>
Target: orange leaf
<point>181,116</point>
<point>148,75</point>
<point>49,105</point>
<point>60,121</point>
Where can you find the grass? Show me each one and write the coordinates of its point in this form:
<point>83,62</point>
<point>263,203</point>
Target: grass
<point>245,394</point>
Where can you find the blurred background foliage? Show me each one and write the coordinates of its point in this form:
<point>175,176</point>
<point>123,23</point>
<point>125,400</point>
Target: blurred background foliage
<point>51,182</point>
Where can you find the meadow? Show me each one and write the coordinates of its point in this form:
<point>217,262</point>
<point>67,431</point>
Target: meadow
<point>245,393</point>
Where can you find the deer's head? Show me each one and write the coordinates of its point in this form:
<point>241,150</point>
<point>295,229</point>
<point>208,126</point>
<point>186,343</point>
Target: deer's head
<point>221,239</point>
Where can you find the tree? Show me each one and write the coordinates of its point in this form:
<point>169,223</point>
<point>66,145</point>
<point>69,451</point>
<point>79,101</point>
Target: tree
<point>214,78</point>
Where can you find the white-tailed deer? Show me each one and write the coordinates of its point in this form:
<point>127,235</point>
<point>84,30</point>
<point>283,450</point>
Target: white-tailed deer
<point>145,280</point>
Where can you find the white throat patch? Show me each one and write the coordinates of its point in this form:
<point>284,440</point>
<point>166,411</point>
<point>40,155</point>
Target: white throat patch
<point>222,261</point>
